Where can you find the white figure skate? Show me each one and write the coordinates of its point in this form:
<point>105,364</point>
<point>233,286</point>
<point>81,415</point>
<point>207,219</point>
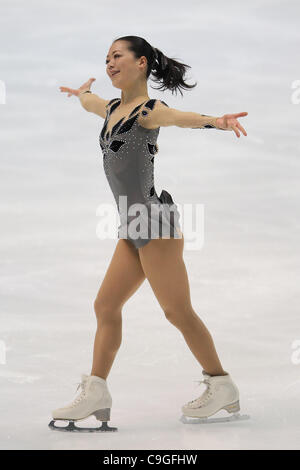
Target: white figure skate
<point>94,399</point>
<point>221,393</point>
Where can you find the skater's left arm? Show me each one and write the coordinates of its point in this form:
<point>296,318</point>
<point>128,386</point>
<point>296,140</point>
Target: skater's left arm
<point>164,116</point>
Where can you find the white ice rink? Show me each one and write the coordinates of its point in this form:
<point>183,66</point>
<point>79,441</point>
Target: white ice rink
<point>244,281</point>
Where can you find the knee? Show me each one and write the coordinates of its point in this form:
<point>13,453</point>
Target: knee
<point>106,313</point>
<point>180,317</point>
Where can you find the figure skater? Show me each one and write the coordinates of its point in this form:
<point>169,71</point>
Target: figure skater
<point>128,142</point>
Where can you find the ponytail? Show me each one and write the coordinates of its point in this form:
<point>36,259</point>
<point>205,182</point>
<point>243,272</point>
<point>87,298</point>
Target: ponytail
<point>166,71</point>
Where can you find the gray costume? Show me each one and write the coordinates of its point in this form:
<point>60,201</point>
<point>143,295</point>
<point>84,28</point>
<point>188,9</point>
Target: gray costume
<point>128,161</point>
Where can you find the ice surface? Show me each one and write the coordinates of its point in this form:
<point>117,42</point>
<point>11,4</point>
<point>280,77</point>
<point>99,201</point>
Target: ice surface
<point>244,282</point>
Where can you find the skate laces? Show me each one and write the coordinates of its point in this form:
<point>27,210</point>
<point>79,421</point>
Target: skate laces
<point>82,385</point>
<point>206,394</point>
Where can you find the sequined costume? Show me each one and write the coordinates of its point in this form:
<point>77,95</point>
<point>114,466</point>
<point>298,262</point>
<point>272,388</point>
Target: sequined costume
<point>128,160</point>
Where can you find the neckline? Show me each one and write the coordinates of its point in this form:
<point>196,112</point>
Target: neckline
<point>123,119</point>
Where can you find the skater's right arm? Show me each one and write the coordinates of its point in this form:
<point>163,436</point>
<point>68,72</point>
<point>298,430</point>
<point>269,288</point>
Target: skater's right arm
<point>89,101</point>
<point>93,103</point>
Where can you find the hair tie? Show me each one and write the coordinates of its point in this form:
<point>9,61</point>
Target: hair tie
<point>164,61</point>
<point>155,52</point>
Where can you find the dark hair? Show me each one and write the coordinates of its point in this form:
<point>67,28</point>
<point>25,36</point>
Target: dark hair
<point>163,68</point>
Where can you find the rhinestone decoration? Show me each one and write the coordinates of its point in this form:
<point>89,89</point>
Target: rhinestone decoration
<point>128,151</point>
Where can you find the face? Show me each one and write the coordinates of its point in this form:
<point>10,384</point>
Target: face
<point>128,68</point>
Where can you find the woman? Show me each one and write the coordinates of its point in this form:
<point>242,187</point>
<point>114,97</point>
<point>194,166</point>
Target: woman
<point>128,141</point>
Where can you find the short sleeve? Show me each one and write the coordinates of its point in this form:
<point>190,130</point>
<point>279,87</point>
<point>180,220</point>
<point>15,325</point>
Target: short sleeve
<point>146,112</point>
<point>150,105</point>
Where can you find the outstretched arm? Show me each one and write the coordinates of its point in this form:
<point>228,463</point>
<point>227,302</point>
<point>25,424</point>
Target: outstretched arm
<point>93,103</point>
<point>89,101</point>
<point>163,116</point>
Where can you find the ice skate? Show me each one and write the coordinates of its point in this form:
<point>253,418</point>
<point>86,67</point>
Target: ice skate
<point>94,399</point>
<point>221,394</point>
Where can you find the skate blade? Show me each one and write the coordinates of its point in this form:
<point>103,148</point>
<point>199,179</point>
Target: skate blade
<point>71,427</point>
<point>191,420</point>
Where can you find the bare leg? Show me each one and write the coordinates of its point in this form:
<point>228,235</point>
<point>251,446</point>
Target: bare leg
<point>165,270</point>
<point>123,277</point>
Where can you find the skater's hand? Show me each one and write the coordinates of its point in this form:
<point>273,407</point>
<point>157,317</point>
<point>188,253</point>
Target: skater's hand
<point>86,86</point>
<point>229,122</point>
